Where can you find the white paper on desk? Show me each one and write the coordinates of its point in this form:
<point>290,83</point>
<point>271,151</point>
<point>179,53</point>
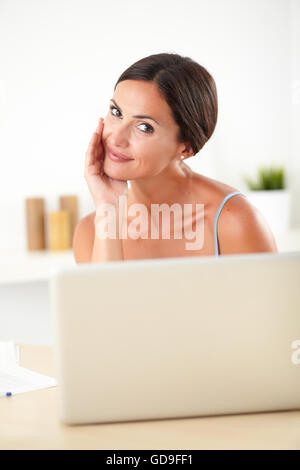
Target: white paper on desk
<point>16,379</point>
<point>9,353</point>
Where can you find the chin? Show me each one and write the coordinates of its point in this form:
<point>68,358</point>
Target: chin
<point>115,173</point>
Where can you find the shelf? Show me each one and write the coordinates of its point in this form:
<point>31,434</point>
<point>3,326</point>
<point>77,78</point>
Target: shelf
<point>25,266</point>
<point>289,241</point>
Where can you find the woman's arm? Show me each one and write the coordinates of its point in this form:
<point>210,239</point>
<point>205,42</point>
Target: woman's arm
<point>87,245</point>
<point>243,229</point>
<point>106,249</point>
<point>83,239</point>
<point>89,248</point>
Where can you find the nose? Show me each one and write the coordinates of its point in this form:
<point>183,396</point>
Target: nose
<point>120,136</point>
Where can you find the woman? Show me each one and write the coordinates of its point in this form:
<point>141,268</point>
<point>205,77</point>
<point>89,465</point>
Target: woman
<point>164,109</point>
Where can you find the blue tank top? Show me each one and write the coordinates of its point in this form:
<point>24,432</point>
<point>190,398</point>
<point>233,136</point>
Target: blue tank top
<point>217,216</point>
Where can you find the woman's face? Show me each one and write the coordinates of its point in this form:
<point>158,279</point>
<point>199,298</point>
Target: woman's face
<point>150,143</point>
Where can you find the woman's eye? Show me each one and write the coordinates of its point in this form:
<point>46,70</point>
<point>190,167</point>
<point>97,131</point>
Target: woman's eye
<point>150,129</point>
<point>113,107</point>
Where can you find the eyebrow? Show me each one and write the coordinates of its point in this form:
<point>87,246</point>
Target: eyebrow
<point>139,116</point>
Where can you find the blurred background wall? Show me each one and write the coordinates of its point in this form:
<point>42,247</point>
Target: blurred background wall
<point>60,60</point>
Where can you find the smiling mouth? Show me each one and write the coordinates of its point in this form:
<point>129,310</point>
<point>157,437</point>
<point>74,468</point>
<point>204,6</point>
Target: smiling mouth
<point>117,157</point>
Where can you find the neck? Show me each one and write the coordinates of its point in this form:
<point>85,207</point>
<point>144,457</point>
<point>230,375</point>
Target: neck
<point>168,187</point>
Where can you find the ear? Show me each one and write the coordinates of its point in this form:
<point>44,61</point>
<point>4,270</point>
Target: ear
<point>186,151</point>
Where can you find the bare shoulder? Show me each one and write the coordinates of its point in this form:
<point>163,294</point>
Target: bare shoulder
<point>210,188</point>
<point>83,239</point>
<point>241,227</point>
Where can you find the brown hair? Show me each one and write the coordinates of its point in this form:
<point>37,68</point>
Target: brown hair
<point>189,90</point>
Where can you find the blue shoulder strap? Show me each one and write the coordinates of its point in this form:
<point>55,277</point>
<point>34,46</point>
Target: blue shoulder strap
<point>217,216</point>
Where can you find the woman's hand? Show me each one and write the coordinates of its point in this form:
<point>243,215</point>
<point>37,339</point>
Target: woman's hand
<point>101,186</point>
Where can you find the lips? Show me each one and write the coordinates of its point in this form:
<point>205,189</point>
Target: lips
<point>116,156</point>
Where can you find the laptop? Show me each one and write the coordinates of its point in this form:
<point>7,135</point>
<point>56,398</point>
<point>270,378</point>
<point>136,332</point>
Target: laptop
<point>177,337</point>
